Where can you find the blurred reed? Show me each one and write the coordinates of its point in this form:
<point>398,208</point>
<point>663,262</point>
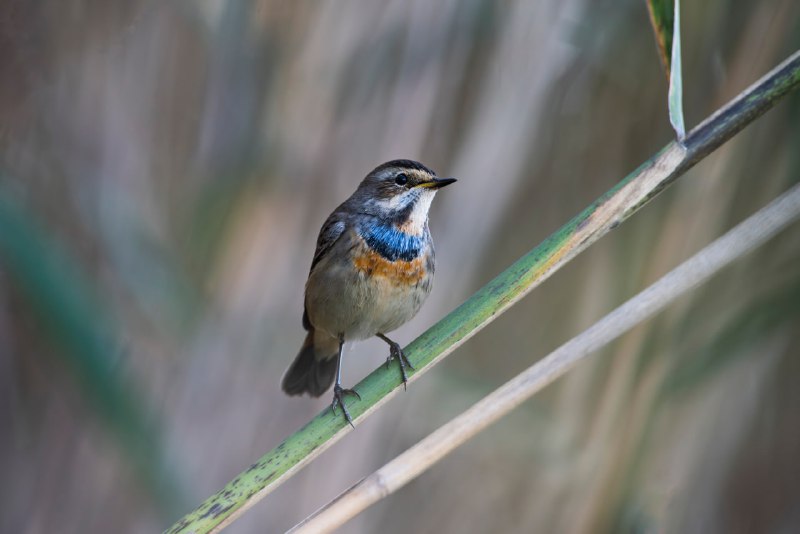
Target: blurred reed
<point>183,155</point>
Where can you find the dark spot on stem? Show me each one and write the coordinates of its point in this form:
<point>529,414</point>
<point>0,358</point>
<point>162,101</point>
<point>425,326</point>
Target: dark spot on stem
<point>214,510</point>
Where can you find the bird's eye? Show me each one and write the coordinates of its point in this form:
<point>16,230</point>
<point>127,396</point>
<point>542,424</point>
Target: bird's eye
<point>401,179</point>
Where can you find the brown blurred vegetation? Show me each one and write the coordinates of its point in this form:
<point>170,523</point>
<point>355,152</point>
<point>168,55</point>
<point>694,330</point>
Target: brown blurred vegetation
<point>166,166</point>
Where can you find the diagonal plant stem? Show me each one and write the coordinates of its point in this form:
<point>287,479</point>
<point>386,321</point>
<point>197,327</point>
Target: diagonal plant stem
<point>744,238</point>
<point>614,207</point>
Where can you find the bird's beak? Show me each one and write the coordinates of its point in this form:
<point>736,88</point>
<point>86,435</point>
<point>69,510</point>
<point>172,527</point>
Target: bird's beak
<point>437,183</point>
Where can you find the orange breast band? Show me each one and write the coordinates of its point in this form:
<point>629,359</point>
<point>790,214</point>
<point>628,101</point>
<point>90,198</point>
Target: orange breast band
<point>370,263</point>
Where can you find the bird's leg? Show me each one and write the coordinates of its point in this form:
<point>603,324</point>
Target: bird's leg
<point>339,392</point>
<point>395,352</point>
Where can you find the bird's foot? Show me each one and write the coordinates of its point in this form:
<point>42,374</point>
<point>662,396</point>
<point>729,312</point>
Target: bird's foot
<point>395,352</point>
<point>338,399</point>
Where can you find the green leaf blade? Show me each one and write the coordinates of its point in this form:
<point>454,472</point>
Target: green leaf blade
<point>676,78</point>
<point>662,14</point>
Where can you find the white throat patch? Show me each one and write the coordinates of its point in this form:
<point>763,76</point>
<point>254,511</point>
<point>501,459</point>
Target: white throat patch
<point>419,214</point>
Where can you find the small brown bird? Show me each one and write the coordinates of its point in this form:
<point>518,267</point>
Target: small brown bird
<point>371,272</point>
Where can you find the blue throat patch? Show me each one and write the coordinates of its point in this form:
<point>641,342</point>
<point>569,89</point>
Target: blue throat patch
<point>391,243</point>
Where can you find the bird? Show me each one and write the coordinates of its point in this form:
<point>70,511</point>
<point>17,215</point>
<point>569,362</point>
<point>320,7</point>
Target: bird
<point>371,272</point>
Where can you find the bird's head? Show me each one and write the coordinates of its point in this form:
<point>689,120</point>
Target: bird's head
<point>400,191</point>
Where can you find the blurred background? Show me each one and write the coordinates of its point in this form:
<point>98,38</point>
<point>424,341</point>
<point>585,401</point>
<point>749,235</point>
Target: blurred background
<point>165,168</point>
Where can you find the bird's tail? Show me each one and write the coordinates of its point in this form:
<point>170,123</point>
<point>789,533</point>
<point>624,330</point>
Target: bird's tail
<point>313,369</point>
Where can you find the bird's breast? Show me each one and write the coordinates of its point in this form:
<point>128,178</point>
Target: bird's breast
<point>357,290</point>
<point>371,263</point>
<point>393,244</point>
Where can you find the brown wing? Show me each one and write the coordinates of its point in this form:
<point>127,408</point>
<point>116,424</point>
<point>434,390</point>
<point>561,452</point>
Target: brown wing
<point>331,231</point>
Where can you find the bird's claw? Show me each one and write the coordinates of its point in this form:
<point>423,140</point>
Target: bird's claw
<point>338,399</point>
<point>395,352</point>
